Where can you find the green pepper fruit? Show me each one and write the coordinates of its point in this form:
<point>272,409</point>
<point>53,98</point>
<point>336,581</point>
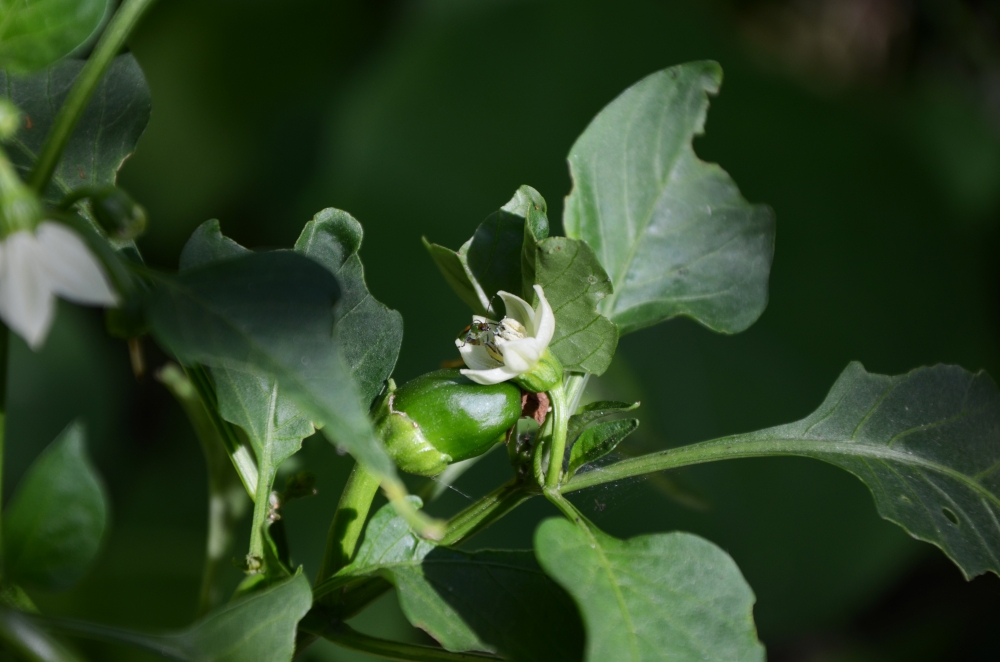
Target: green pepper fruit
<point>442,417</point>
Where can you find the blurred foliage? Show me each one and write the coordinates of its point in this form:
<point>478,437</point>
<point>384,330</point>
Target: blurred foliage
<point>419,118</point>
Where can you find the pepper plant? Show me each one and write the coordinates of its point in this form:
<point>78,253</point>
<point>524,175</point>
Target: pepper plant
<point>271,347</point>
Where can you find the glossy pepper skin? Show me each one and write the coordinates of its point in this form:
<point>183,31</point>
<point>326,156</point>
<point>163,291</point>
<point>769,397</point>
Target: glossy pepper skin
<point>442,417</point>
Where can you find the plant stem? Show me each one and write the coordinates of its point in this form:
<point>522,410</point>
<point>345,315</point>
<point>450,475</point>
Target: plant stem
<point>119,28</point>
<point>227,502</point>
<point>727,448</point>
<point>561,415</point>
<point>242,459</point>
<point>343,635</point>
<point>348,522</point>
<point>485,511</point>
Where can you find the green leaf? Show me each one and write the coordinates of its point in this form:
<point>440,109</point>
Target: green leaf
<point>595,411</point>
<point>369,333</point>
<point>272,314</point>
<point>574,283</point>
<point>455,269</point>
<point>673,231</point>
<point>597,441</point>
<point>499,256</point>
<point>104,137</point>
<point>36,33</point>
<point>260,626</point>
<point>53,526</point>
<point>27,641</point>
<point>926,443</point>
<point>206,245</point>
<point>667,596</point>
<point>487,601</point>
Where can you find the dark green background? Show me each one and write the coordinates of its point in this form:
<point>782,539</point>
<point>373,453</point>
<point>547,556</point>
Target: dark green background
<point>420,119</point>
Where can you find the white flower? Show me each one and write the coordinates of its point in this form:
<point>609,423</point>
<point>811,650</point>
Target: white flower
<point>495,352</point>
<point>35,267</point>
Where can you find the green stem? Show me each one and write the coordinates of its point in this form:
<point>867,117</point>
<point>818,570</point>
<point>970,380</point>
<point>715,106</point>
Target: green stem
<point>561,414</point>
<point>343,635</point>
<point>227,502</point>
<point>485,511</point>
<point>348,522</point>
<point>261,510</point>
<point>727,448</point>
<point>576,384</point>
<point>241,456</point>
<point>121,25</point>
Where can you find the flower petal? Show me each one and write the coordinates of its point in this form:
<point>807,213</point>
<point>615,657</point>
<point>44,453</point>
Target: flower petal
<point>26,301</point>
<point>487,377</point>
<point>72,270</point>
<point>546,319</point>
<point>520,355</point>
<point>519,309</point>
<point>476,357</point>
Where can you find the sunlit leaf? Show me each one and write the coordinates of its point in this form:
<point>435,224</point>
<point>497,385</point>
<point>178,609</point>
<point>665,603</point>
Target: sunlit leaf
<point>673,232</point>
<point>575,283</point>
<point>53,527</point>
<point>667,596</point>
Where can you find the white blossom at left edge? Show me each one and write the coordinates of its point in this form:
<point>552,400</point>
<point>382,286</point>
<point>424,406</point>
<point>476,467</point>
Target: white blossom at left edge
<point>38,266</point>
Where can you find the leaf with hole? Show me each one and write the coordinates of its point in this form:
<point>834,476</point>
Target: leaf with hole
<point>495,601</point>
<point>54,524</point>
<point>926,443</point>
<point>673,231</point>
<point>666,596</point>
<point>36,33</point>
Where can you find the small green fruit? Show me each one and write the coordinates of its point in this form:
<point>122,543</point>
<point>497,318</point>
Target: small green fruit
<point>443,417</point>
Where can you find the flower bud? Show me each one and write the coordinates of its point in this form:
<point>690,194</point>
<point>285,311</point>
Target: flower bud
<point>119,215</point>
<point>442,417</point>
<point>543,376</point>
<point>10,119</point>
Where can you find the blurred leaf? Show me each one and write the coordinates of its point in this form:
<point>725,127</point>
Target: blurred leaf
<point>257,627</point>
<point>25,639</point>
<point>369,333</point>
<point>487,601</point>
<point>654,597</point>
<point>206,245</point>
<point>273,314</point>
<point>36,33</point>
<point>597,441</point>
<point>673,231</point>
<point>584,340</point>
<point>227,498</point>
<point>53,526</point>
<point>104,137</point>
